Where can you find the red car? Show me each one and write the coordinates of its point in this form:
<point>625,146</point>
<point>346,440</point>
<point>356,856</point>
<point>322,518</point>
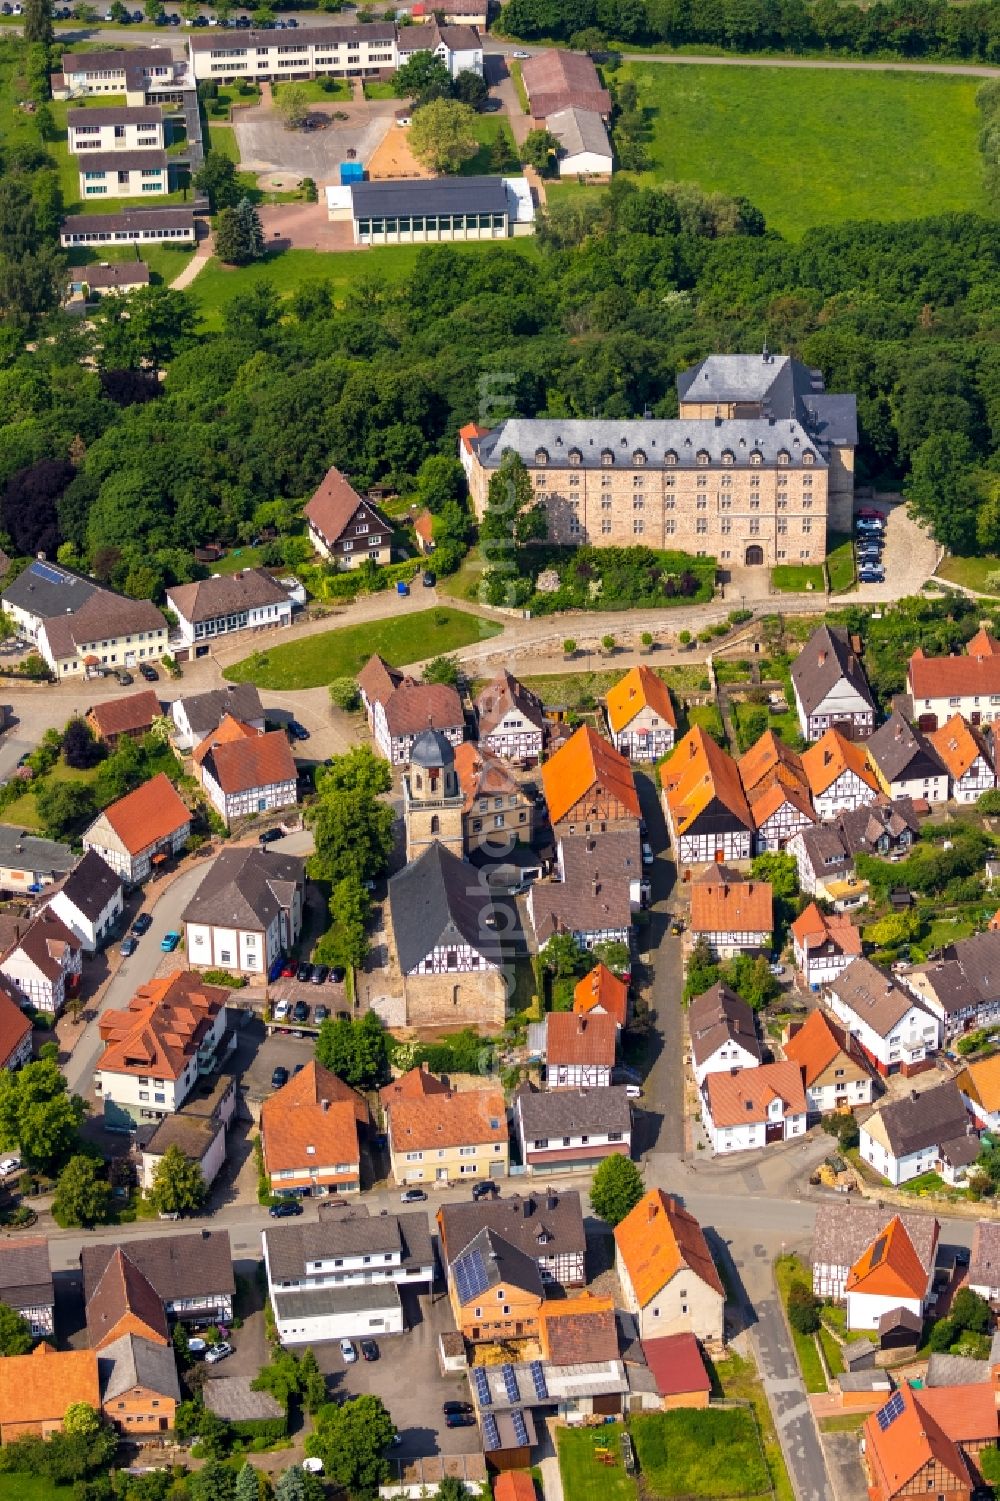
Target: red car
<point>288,970</point>
<point>870,514</point>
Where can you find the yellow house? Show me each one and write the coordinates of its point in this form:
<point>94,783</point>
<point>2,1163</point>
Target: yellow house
<point>445,1138</point>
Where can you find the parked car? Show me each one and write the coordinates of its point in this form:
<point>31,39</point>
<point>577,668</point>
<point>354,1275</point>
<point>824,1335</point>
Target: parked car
<point>647,853</point>
<point>369,1349</point>
<point>297,731</point>
<point>348,1351</point>
<point>288,969</point>
<point>197,1347</point>
<point>128,947</point>
<point>281,1010</point>
<point>142,924</point>
<point>776,968</point>
<point>412,1196</point>
<point>125,678</point>
<point>487,1189</point>
<point>279,1078</point>
<point>304,972</point>
<point>285,1210</point>
<point>320,973</point>
<point>269,836</point>
<point>320,1014</point>
<point>633,1092</point>
<point>169,942</point>
<point>337,975</point>
<point>218,1352</point>
<point>9,1165</point>
<point>452,1409</point>
<point>459,1420</point>
<point>300,1012</point>
<point>521,55</point>
<point>429,579</point>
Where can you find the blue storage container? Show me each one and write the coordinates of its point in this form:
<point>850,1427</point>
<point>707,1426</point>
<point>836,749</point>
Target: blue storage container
<point>351,172</point>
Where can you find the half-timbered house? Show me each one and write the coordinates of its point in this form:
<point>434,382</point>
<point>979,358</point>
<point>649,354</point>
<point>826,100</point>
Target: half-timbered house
<point>706,808</point>
<point>641,716</point>
<point>731,915</point>
<point>399,709</point>
<point>906,763</point>
<point>511,720</point>
<point>830,687</point>
<point>838,774</point>
<point>823,944</point>
<point>579,1050</point>
<point>777,792</point>
<point>589,787</point>
<point>345,528</point>
<point>547,1226</point>
<point>967,758</point>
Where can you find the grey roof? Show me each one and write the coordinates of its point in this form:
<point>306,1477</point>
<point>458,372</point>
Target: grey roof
<point>717,1016</point>
<point>595,894</point>
<point>859,1354</point>
<point>117,59</point>
<point>438,901</point>
<point>224,594</point>
<point>434,195</point>
<point>579,130</point>
<point>25,1275</point>
<point>345,1233</point>
<point>29,852</point>
<point>899,750</point>
<point>122,161</point>
<point>206,711</point>
<point>929,1118</point>
<point>826,659</point>
<point>781,386</point>
<point>519,1218</point>
<point>984,1262</point>
<point>684,438</point>
<point>347,1297</point>
<point>564,1112</point>
<point>861,828</point>
<point>134,220</point>
<point>871,994</point>
<point>227,42</point>
<point>500,1261</point>
<point>956,1370</point>
<point>979,957</point>
<point>246,887</point>
<point>961,1150</point>
<point>133,1361</point>
<point>48,589</point>
<point>177,1266</point>
<point>92,885</point>
<point>950,984</point>
<point>118,274</point>
<point>432,749</point>
<point>843,1231</point>
<point>233,1398</point>
<point>121,114</point>
<point>824,848</point>
<point>900,1318</point>
<point>866,1379</point>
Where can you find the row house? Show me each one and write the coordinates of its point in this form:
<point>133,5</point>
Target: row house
<point>599,885</point>
<point>641,715</point>
<point>905,762</point>
<point>42,967</point>
<point>835,1073</point>
<point>961,989</point>
<point>91,902</point>
<point>563,1130</point>
<point>842,1233</point>
<point>195,716</point>
<point>669,1281</point>
<point>511,720</point>
<point>344,528</point>
<point>723,1033</point>
<point>589,787</point>
<point>897,1033</point>
<point>941,687</point>
<point>823,945</point>
<point>115,128</point>
<point>753,1107</point>
<point>245,773</point>
<point>546,1226</point>
<point>373,49</point>
<point>839,774</point>
<point>777,792</point>
<point>247,911</point>
<point>731,915</point>
<point>191,1275</point>
<point>926,1132</point>
<point>217,606</point>
<point>141,831</point>
<point>706,809</point>
<point>173,224</point>
<point>449,1137</point>
<point>399,709</point>
<point>830,687</point>
<point>579,1050</point>
<point>967,758</point>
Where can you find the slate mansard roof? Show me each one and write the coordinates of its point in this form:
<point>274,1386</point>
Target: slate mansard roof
<point>685,438</point>
<point>783,387</point>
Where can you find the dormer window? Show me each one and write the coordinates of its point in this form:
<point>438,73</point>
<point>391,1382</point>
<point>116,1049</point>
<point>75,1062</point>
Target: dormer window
<point>639,456</point>
<point>541,456</point>
<point>783,456</point>
<point>575,456</point>
<point>607,457</point>
<point>670,457</point>
<point>808,457</point>
<point>756,457</point>
<point>702,456</point>
<point>728,457</point>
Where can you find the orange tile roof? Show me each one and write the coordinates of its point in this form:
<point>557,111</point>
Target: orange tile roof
<point>982,644</point>
<point>742,1099</point>
<point>38,1388</point>
<point>228,730</point>
<point>413,1085</point>
<point>657,1240</point>
<point>423,525</point>
<point>604,989</point>
<point>14,1025</point>
<point>889,1267</point>
<point>117,716</point>
<point>958,745</point>
<point>514,1485</point>
<point>816,1044</point>
<point>765,756</point>
<point>473,1117</point>
<point>723,904</point>
<point>242,765</point>
<point>147,815</point>
<point>812,928</point>
<point>312,1122</point>
<point>124,1294</point>
<point>481,773</point>
<point>698,772</point>
<point>587,766</point>
<point>162,1027</point>
<point>830,757</point>
<point>898,1450</point>
<point>471,430</point>
<point>766,798</point>
<point>575,1039</point>
<point>964,1413</point>
<point>637,690</point>
<point>981,1082</point>
<point>953,677</point>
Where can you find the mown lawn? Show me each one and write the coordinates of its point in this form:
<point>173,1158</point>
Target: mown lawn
<point>972,573</point>
<point>832,1351</point>
<point>318,91</point>
<point>711,1454</point>
<point>17,1487</point>
<point>584,1476</point>
<point>708,716</point>
<point>488,129</point>
<point>840,562</point>
<point>809,147</point>
<point>798,578</point>
<point>319,659</point>
<point>789,1269</point>
<point>375,90</point>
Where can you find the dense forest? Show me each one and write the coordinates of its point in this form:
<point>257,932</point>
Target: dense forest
<point>127,473</point>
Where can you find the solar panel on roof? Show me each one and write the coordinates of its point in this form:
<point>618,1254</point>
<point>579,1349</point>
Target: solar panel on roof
<point>481,1382</point>
<point>538,1377</point>
<point>887,1415</point>
<point>510,1383</point>
<point>491,1433</point>
<point>50,575</point>
<point>878,1250</point>
<point>520,1430</point>
<point>471,1277</point>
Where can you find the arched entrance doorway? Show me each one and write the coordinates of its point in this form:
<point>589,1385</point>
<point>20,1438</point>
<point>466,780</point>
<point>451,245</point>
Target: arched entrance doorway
<point>754,556</point>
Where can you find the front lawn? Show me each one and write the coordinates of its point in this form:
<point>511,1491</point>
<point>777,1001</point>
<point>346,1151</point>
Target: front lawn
<point>797,578</point>
<point>488,129</point>
<point>375,90</point>
<point>318,90</point>
<point>789,1269</point>
<point>319,659</point>
<point>585,1477</point>
<point>971,573</point>
<point>708,1453</point>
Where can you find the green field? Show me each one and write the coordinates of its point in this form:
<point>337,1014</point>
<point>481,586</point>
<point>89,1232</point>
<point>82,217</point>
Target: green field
<point>317,90</point>
<point>971,573</point>
<point>711,1454</point>
<point>18,1487</point>
<point>488,128</point>
<point>319,659</point>
<point>584,1476</point>
<point>809,146</point>
<point>840,562</point>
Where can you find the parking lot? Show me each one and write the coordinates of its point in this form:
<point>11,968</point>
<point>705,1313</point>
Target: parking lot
<point>286,1049</point>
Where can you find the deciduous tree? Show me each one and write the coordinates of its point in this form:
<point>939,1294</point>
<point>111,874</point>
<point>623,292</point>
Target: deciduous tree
<point>178,1185</point>
<point>292,103</point>
<point>352,826</point>
<point>423,77</point>
<point>15,1332</point>
<point>351,1440</point>
<point>443,136</point>
<point>82,1196</point>
<point>616,1189</point>
<point>356,1051</point>
<point>38,1115</point>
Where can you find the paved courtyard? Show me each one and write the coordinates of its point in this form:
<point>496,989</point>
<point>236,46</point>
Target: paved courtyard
<point>267,146</point>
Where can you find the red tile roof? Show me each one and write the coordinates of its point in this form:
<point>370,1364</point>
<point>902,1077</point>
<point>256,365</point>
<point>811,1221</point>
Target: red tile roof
<point>574,1039</point>
<point>742,1099</point>
<point>817,1043</point>
<point>121,716</point>
<point>602,989</point>
<point>514,1485</point>
<point>830,757</point>
<point>698,772</point>
<point>312,1122</point>
<point>415,1084</point>
<point>676,1365</point>
<point>813,928</point>
<point>471,1117</point>
<point>151,813</point>
<point>953,677</point>
<point>898,1449</point>
<point>14,1026</point>
<point>721,904</point>
<point>588,766</point>
<point>244,764</point>
<point>38,1388</point>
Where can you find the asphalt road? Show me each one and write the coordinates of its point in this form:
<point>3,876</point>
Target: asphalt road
<point>662,1126</point>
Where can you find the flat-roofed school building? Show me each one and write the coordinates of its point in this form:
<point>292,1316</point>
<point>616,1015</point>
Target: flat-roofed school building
<point>136,226</point>
<point>418,211</point>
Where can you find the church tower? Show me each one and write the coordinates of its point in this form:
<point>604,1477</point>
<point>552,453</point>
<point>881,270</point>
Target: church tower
<point>432,796</point>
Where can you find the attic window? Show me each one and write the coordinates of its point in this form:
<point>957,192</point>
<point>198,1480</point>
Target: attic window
<point>728,457</point>
<point>670,457</point>
<point>575,456</point>
<point>701,456</point>
<point>541,456</point>
<point>311,1151</point>
<point>783,457</point>
<point>808,457</point>
<point>639,456</point>
<point>756,457</point>
<point>607,457</point>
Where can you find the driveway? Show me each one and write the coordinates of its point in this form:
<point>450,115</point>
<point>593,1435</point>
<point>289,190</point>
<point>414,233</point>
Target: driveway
<point>266,145</point>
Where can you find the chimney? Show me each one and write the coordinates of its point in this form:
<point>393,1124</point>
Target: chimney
<point>324,1105</point>
<point>913,1095</point>
<point>527,1206</point>
<point>652,1209</point>
<point>425,1067</point>
<point>822,658</point>
<point>551,1198</point>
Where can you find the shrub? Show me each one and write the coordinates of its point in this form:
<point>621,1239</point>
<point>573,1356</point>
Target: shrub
<point>223,977</point>
<point>803,1308</point>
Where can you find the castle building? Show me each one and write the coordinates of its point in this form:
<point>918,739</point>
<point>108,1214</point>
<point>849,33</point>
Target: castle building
<point>433,800</point>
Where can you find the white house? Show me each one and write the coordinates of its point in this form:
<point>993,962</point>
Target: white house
<point>224,603</point>
<point>753,1107</point>
<point>906,763</point>
<point>928,1132</point>
<point>460,48</point>
<point>124,174</point>
<point>247,912</point>
<point>835,1073</point>
<point>562,1129</point>
<point>984,1261</point>
<point>669,1280</point>
<point>115,128</point>
<point>43,965</point>
<point>28,863</point>
<point>941,687</point>
<point>823,945</point>
<point>579,1050</point>
<point>896,1032</point>
<point>15,1031</point>
<point>842,1233</point>
<point>966,757</point>
<point>340,1277</point>
<point>246,773</point>
<point>704,803</point>
<point>141,831</point>
<point>723,1033</point>
<point>839,774</point>
<point>76,624</point>
<point>197,716</point>
<point>198,1129</point>
<point>961,989</point>
<point>888,1275</point>
<point>142,74</point>
<point>173,224</point>
<point>641,716</point>
<point>830,687</point>
<point>90,901</point>
<point>584,146</point>
<point>399,709</point>
<point>192,1274</point>
<point>979,1085</point>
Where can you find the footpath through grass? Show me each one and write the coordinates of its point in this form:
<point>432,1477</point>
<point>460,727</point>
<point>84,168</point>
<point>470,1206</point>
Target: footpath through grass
<point>971,573</point>
<point>316,660</point>
<point>811,146</point>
